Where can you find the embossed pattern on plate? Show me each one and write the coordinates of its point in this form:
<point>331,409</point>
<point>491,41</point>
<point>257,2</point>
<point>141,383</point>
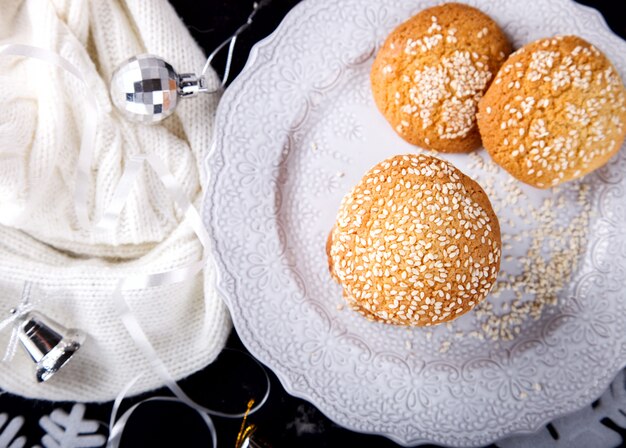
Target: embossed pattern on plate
<point>294,133</point>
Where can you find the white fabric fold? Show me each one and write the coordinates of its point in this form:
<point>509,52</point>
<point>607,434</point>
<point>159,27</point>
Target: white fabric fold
<point>77,267</point>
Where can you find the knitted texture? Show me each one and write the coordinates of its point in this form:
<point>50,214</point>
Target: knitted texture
<point>75,270</point>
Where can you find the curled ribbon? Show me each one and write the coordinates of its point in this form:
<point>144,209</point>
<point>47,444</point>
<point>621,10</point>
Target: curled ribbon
<point>110,217</point>
<point>116,425</point>
<point>23,308</point>
<point>140,338</point>
<point>231,41</point>
<point>85,156</point>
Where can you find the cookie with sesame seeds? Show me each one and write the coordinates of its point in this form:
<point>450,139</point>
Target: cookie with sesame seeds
<point>416,242</point>
<point>431,72</point>
<point>555,112</point>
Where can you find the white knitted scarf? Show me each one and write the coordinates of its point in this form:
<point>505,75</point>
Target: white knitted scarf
<point>75,270</point>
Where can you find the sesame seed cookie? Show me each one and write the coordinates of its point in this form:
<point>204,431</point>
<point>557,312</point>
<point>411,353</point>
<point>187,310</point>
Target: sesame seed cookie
<point>416,242</point>
<point>555,112</point>
<point>431,72</point>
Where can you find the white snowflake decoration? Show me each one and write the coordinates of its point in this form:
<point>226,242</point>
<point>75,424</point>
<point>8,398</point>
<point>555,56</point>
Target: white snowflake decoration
<point>8,433</point>
<point>70,430</point>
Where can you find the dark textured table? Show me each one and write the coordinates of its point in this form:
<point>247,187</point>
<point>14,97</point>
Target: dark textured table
<point>227,384</point>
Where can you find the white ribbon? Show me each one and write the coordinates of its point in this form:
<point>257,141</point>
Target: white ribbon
<point>231,41</point>
<point>109,219</point>
<point>117,425</point>
<point>23,308</point>
<point>140,338</point>
<point>85,156</point>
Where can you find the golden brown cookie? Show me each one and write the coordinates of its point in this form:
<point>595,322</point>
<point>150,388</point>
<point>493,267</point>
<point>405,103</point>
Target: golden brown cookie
<point>555,112</point>
<point>416,242</point>
<point>431,72</point>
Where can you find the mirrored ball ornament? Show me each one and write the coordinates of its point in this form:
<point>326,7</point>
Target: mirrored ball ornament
<point>146,88</point>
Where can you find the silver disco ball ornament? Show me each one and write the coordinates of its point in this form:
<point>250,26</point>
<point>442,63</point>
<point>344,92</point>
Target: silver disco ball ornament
<point>147,89</point>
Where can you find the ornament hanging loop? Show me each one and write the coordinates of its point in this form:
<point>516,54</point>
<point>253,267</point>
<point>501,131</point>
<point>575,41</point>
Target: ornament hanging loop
<point>146,88</point>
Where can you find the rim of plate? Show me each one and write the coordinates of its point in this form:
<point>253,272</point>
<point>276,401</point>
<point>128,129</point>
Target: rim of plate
<point>267,45</point>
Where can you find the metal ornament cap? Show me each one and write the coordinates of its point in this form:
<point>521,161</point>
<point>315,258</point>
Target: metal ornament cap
<point>145,88</point>
<point>48,343</point>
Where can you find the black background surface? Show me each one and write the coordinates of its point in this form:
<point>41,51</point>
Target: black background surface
<point>227,384</point>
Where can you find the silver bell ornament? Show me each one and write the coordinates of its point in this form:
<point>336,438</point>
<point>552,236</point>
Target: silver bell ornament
<point>146,88</point>
<point>49,344</point>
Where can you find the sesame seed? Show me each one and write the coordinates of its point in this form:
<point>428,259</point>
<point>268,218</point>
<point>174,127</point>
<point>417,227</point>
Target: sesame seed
<point>583,130</point>
<point>388,250</point>
<point>452,87</point>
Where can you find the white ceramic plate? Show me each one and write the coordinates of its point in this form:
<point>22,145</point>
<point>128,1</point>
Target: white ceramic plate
<point>295,132</point>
